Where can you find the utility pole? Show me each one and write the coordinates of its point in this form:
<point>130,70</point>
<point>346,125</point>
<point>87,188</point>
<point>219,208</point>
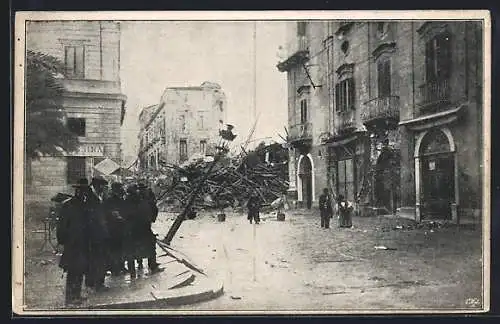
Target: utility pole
<point>254,108</point>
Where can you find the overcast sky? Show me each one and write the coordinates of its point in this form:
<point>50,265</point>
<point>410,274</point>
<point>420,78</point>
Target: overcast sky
<point>156,55</point>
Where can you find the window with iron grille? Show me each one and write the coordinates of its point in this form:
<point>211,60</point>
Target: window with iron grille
<point>344,95</point>
<point>75,169</point>
<point>74,61</point>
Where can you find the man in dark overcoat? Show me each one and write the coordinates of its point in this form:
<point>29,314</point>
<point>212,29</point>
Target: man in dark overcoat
<point>325,208</point>
<point>253,206</point>
<point>133,229</point>
<point>148,211</point>
<point>114,209</point>
<point>73,233</point>
<point>99,237</point>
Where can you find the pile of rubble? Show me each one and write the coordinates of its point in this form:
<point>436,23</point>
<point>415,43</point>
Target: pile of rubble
<point>225,183</point>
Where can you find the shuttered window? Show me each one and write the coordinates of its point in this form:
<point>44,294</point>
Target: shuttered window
<point>344,95</point>
<point>384,77</point>
<point>183,150</point>
<point>438,58</point>
<point>303,111</point>
<point>74,59</point>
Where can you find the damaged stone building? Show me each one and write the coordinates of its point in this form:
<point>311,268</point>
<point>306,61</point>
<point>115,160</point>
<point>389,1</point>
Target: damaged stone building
<point>387,114</point>
<point>185,122</point>
<point>93,101</point>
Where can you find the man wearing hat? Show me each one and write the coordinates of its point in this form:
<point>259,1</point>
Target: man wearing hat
<point>148,211</point>
<point>73,234</point>
<point>99,236</point>
<point>132,244</point>
<point>114,209</point>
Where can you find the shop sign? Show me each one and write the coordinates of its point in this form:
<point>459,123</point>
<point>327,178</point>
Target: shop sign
<point>96,150</point>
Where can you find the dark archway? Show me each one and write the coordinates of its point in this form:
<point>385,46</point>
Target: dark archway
<point>437,174</point>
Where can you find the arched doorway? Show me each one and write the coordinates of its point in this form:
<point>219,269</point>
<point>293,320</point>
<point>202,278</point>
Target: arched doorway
<point>305,181</point>
<point>437,163</point>
<point>387,180</point>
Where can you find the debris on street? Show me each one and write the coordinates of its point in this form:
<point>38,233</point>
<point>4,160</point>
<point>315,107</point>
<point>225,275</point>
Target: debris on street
<point>381,247</point>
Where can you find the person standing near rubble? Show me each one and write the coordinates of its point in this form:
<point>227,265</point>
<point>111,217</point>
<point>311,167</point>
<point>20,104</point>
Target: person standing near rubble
<point>73,233</point>
<point>253,206</point>
<point>99,236</point>
<point>131,215</point>
<point>114,209</point>
<point>325,208</point>
<point>149,212</point>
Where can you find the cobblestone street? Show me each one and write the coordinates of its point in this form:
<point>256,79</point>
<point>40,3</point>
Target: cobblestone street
<point>300,266</point>
<point>296,265</point>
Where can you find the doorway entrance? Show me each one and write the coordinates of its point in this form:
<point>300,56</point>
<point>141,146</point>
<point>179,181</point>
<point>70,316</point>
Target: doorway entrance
<point>437,175</point>
<point>305,178</point>
<point>387,180</point>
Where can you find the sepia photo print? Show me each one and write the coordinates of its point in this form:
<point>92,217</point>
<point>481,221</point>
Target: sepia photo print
<point>251,162</point>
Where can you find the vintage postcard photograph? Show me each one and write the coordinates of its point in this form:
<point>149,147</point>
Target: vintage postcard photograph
<point>333,162</point>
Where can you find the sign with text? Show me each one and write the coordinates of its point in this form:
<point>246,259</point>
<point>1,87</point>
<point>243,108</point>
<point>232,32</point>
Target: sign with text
<point>89,150</point>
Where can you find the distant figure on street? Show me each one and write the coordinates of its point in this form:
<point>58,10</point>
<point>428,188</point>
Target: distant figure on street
<point>114,207</point>
<point>73,232</point>
<point>325,208</point>
<point>345,212</point>
<point>253,206</point>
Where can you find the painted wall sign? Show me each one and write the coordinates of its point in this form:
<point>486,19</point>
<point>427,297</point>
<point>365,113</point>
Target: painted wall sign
<point>89,150</point>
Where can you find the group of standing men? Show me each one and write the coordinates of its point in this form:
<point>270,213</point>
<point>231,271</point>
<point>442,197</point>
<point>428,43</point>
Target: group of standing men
<point>102,231</point>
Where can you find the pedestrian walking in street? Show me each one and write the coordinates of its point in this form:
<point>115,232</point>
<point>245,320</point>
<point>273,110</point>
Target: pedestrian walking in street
<point>325,208</point>
<point>99,237</point>
<point>73,234</point>
<point>253,206</point>
<point>114,208</point>
<point>149,211</point>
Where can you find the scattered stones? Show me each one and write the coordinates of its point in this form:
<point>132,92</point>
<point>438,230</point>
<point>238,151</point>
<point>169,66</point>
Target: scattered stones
<point>235,297</point>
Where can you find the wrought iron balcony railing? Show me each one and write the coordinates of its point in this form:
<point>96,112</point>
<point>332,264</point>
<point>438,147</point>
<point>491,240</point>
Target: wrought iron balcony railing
<point>345,121</point>
<point>433,94</point>
<point>302,131</point>
<point>381,108</point>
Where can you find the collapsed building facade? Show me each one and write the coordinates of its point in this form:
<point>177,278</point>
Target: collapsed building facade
<point>387,114</point>
<point>186,121</point>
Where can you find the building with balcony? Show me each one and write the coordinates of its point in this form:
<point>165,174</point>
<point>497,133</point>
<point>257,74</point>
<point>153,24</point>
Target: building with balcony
<point>376,108</point>
<point>93,101</point>
<point>185,122</point>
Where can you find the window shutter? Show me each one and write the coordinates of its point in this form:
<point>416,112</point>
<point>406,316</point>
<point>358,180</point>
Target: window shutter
<point>443,56</point>
<point>80,62</point>
<point>429,61</point>
<point>69,60</point>
<point>337,97</point>
<point>387,78</point>
<point>351,93</point>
